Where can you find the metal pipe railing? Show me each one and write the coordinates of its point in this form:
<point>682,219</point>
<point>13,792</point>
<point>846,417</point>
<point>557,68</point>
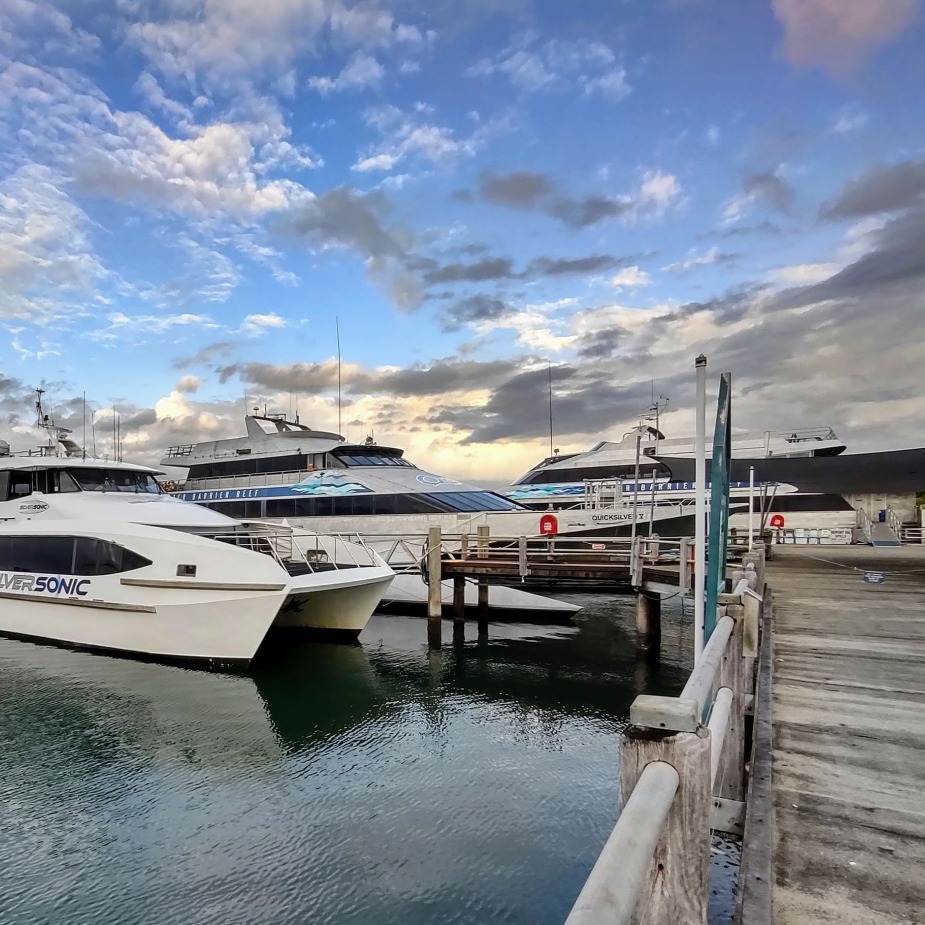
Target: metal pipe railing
<point>615,884</point>
<point>718,724</point>
<point>699,685</point>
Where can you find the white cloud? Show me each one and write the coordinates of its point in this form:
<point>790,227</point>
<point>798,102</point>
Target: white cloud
<point>408,137</point>
<point>158,324</point>
<point>236,43</point>
<point>188,384</point>
<point>535,326</point>
<point>361,71</point>
<point>695,260</point>
<point>658,192</point>
<point>850,120</point>
<point>557,65</point>
<point>47,262</point>
<point>804,274</point>
<point>631,277</point>
<point>30,25</point>
<point>258,324</point>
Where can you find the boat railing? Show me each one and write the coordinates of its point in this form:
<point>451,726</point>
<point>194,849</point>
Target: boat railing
<point>804,434</point>
<point>181,449</point>
<point>316,551</point>
<point>895,522</point>
<point>863,525</point>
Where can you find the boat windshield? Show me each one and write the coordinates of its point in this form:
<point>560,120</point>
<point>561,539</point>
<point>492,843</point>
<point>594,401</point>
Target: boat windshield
<point>112,480</point>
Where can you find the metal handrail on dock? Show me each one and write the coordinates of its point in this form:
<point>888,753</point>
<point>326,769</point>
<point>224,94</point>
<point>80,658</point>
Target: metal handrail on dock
<point>654,868</point>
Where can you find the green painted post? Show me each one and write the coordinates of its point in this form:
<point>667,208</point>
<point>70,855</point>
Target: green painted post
<point>719,502</point>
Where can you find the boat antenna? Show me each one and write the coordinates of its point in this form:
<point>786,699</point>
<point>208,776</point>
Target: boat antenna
<point>337,332</point>
<point>549,373</point>
<point>83,447</point>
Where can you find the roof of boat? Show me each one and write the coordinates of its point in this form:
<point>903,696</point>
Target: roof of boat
<point>38,461</point>
<point>267,436</point>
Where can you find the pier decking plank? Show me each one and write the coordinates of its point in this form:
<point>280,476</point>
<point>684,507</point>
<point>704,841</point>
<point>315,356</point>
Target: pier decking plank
<point>849,736</point>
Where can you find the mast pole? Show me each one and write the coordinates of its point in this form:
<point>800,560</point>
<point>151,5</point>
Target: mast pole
<point>337,331</point>
<point>549,371</point>
<point>700,508</point>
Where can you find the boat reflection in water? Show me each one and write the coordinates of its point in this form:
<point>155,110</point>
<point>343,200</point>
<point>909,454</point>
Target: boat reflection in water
<point>374,782</point>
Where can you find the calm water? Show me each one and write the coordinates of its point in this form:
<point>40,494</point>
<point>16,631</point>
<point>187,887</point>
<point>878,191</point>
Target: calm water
<point>378,783</point>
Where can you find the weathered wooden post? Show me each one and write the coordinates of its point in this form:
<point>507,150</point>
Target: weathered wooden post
<point>730,777</point>
<point>648,621</point>
<point>678,890</point>
<point>434,588</point>
<point>482,553</point>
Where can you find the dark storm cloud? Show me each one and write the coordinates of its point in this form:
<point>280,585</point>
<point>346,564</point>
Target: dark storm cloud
<point>483,270</point>
<point>536,192</point>
<point>896,260</point>
<point>771,187</point>
<point>885,188</point>
<point>519,407</point>
<point>598,345</point>
<point>440,376</point>
<point>139,419</point>
<point>205,356</point>
<point>347,218</point>
<point>580,213</point>
<point>474,309</point>
<point>519,190</point>
<point>552,266</point>
<point>738,231</point>
<point>502,268</point>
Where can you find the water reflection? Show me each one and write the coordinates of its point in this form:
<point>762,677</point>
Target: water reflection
<point>335,784</point>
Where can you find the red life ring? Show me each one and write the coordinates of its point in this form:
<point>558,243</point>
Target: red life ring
<point>777,520</point>
<point>549,525</point>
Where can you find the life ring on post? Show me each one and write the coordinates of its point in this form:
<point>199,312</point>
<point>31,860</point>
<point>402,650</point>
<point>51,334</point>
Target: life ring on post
<point>549,525</point>
<point>777,521</point>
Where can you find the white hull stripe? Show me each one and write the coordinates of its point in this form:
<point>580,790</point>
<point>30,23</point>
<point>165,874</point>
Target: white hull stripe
<point>75,602</point>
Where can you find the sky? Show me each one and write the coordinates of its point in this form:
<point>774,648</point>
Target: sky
<point>204,202</point>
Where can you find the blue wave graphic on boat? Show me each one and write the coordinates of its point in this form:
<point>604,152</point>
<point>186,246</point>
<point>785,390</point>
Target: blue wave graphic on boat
<point>547,491</point>
<point>321,488</point>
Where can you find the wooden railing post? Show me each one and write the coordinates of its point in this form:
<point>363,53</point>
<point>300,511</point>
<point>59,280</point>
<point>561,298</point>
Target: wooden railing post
<point>678,876</point>
<point>730,778</point>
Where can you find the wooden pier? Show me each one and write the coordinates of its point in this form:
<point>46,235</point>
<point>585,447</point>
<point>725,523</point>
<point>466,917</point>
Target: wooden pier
<point>848,835</point>
<point>647,565</point>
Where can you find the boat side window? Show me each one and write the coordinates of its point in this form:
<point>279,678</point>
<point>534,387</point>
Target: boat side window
<point>43,480</point>
<point>4,486</point>
<point>66,555</point>
<point>90,479</point>
<point>20,484</point>
<point>66,482</point>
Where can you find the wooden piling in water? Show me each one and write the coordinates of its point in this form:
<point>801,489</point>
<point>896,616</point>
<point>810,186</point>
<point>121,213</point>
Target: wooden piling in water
<point>459,599</point>
<point>481,553</point>
<point>434,589</point>
<point>648,621</point>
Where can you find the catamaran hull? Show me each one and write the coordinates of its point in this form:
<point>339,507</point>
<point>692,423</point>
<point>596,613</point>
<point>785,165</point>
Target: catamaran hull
<point>336,604</point>
<point>219,631</point>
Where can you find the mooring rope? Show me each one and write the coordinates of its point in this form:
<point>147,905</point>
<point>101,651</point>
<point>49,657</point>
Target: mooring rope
<point>854,568</point>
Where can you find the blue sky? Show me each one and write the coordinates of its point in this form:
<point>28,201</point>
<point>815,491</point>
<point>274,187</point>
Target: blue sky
<point>196,194</point>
